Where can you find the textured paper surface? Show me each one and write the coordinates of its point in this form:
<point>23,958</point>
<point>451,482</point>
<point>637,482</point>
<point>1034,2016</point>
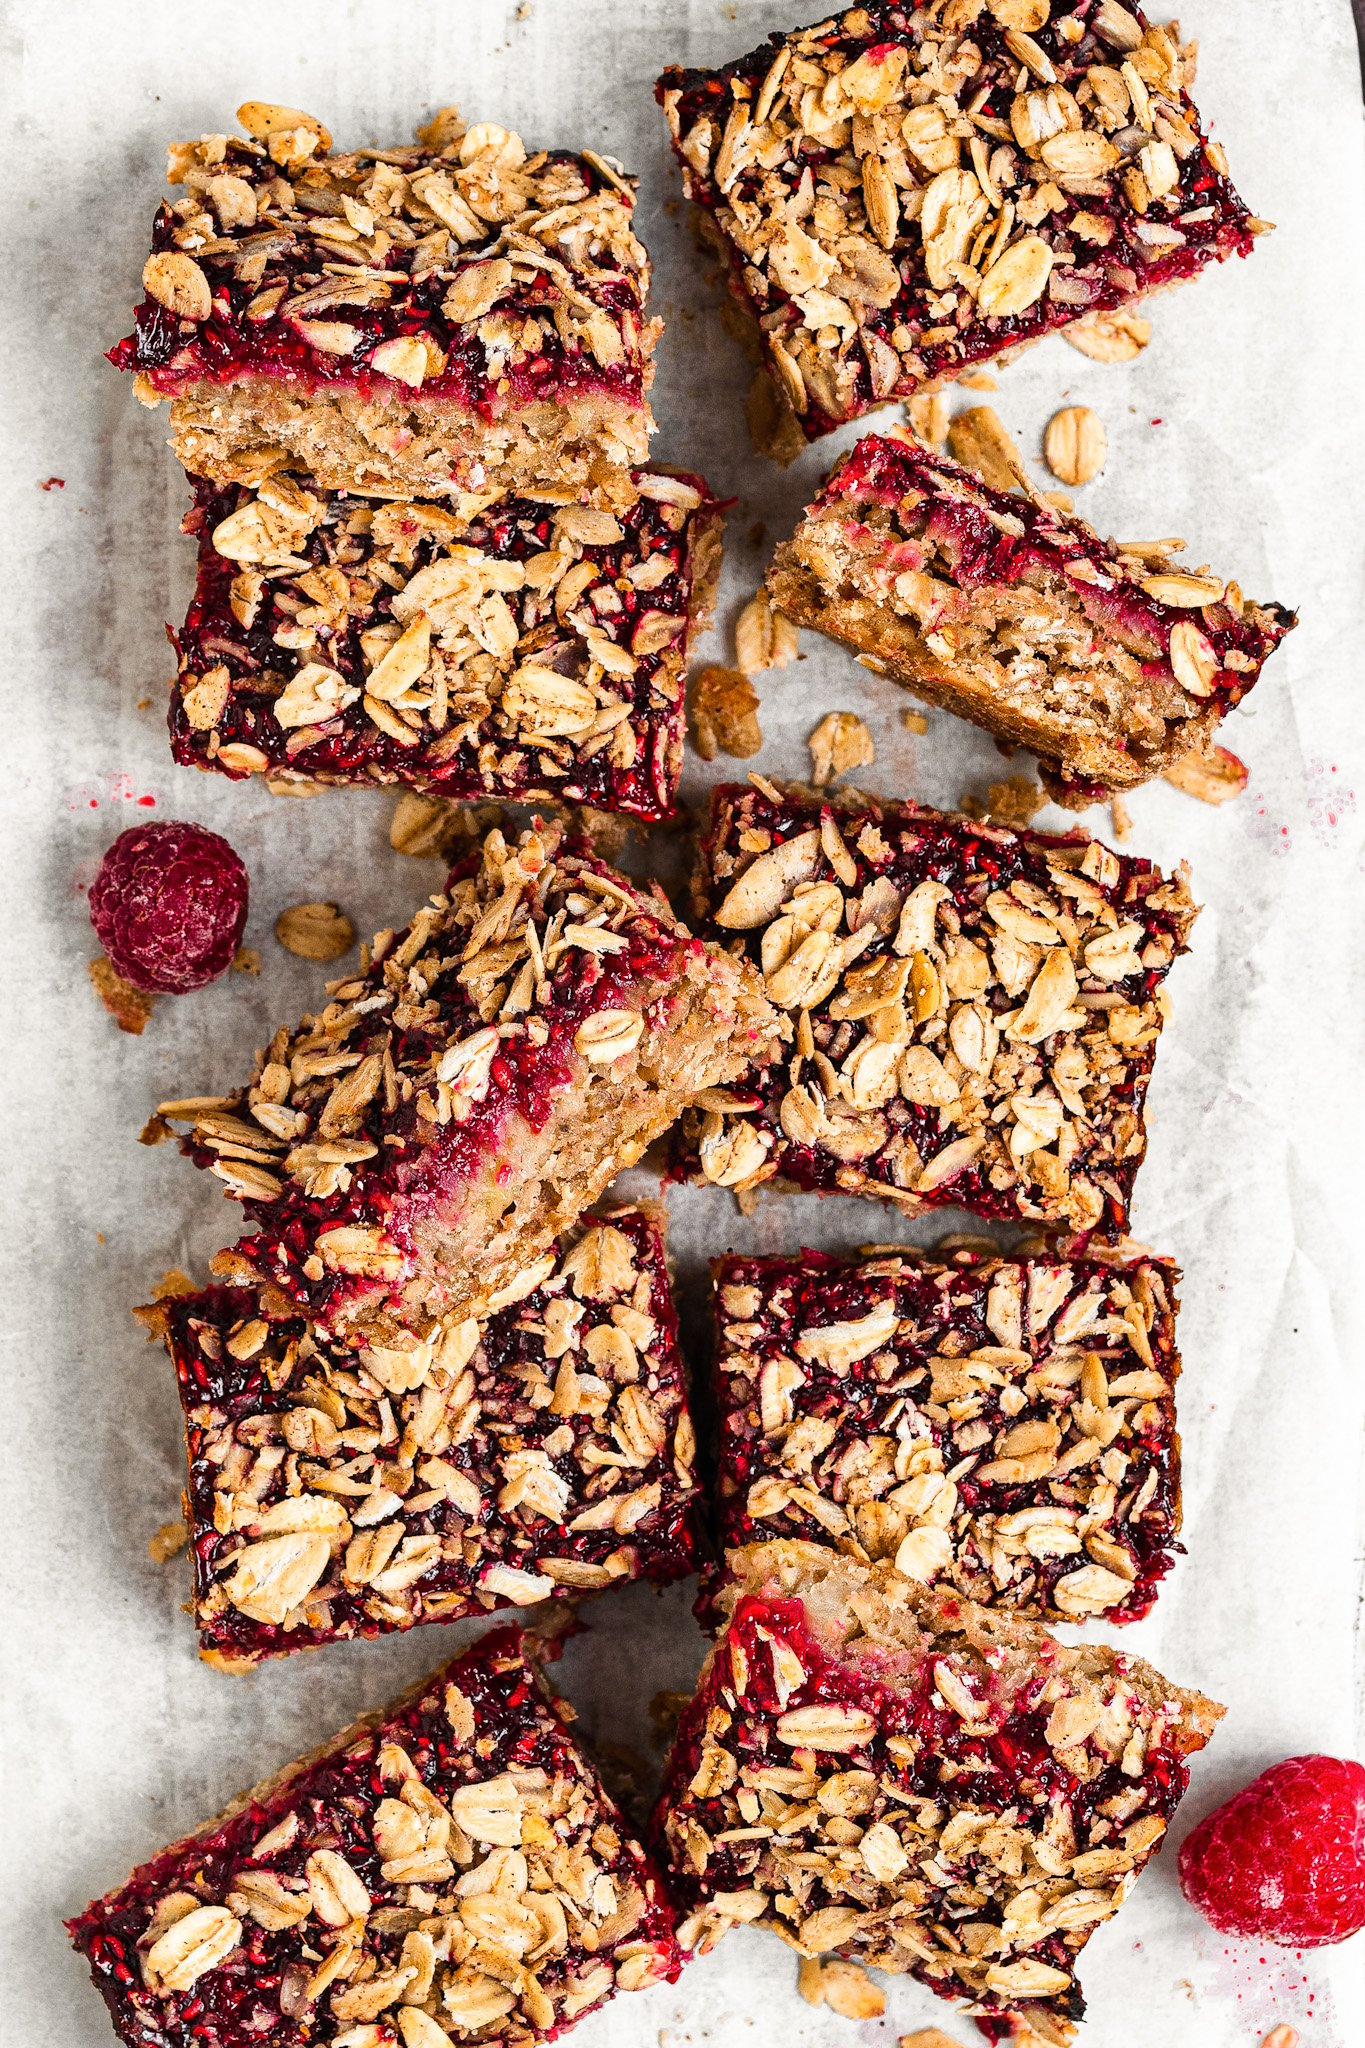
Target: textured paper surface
<point>1239,428</point>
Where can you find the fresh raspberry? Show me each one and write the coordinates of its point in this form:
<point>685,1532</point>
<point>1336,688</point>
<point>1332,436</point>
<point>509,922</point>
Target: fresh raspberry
<point>169,904</point>
<point>1285,1858</point>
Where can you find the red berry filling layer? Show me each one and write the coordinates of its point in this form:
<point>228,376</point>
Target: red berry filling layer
<point>335,1493</point>
<point>1004,1428</point>
<point>975,1011</point>
<point>452,1866</point>
<point>902,192</point>
<point>510,648</point>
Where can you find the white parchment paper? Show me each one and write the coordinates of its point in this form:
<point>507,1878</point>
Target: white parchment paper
<point>1240,428</point>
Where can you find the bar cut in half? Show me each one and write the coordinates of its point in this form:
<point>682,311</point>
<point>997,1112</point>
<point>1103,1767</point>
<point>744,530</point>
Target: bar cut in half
<point>448,1868</point>
<point>884,1771</point>
<point>333,1493</point>
<point>1112,663</point>
<point>1003,1428</point>
<point>519,648</point>
<point>459,314</point>
<point>901,192</point>
<point>411,1152</point>
<point>974,1011</point>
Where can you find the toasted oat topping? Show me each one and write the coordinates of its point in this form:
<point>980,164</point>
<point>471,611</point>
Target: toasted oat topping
<point>454,1869</point>
<point>502,645</point>
<point>1007,1428</point>
<point>904,191</point>
<point>975,1011</point>
<point>338,1493</point>
<point>918,1785</point>
<point>463,268</point>
<point>526,1008</point>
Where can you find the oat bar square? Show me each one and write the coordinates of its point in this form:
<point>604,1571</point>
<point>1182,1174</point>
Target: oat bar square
<point>1112,662</point>
<point>332,1493</point>
<point>460,314</point>
<point>902,192</point>
<point>518,648</point>
<point>974,1011</point>
<point>887,1772</point>
<point>1002,1428</point>
<point>448,1866</point>
<point>412,1151</point>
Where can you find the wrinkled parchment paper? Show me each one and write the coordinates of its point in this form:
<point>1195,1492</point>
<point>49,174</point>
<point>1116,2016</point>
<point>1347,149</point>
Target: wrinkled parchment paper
<point>1239,428</point>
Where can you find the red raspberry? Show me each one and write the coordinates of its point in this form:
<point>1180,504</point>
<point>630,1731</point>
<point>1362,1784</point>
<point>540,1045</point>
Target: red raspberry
<point>1285,1858</point>
<point>169,905</point>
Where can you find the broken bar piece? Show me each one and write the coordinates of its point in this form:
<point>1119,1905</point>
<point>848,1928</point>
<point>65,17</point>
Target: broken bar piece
<point>886,1772</point>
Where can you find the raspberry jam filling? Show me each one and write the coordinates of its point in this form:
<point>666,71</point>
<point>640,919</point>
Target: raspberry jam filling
<point>335,1494</point>
<point>902,1805</point>
<point>552,664</point>
<point>360,1871</point>
<point>1005,1429</point>
<point>991,1047</point>
<point>303,277</point>
<point>994,537</point>
<point>1089,182</point>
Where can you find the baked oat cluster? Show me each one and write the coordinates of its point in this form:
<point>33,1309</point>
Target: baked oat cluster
<point>450,1868</point>
<point>454,315</point>
<point>900,192</point>
<point>411,1152</point>
<point>1004,1428</point>
<point>974,1011</point>
<point>510,647</point>
<point>333,1493</point>
<point>887,1772</point>
<point>1112,662</point>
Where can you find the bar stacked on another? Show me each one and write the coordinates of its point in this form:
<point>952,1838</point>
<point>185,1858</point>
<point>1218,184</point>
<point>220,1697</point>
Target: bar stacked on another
<point>336,1493</point>
<point>1005,1428</point>
<point>519,648</point>
<point>974,1011</point>
<point>1112,662</point>
<point>884,1771</point>
<point>459,314</point>
<point>410,1153</point>
<point>900,192</point>
<point>450,1867</point>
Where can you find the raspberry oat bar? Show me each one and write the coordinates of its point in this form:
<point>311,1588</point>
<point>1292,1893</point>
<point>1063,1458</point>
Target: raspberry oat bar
<point>412,1152</point>
<point>1005,1427</point>
<point>885,1771</point>
<point>523,648</point>
<point>335,1494</point>
<point>900,192</point>
<point>975,1011</point>
<point>446,1867</point>
<point>1111,662</point>
<point>455,315</point>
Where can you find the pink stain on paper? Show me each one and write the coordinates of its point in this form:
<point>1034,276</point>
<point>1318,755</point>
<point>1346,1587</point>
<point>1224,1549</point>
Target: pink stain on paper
<point>115,789</point>
<point>1330,799</point>
<point>1275,1987</point>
